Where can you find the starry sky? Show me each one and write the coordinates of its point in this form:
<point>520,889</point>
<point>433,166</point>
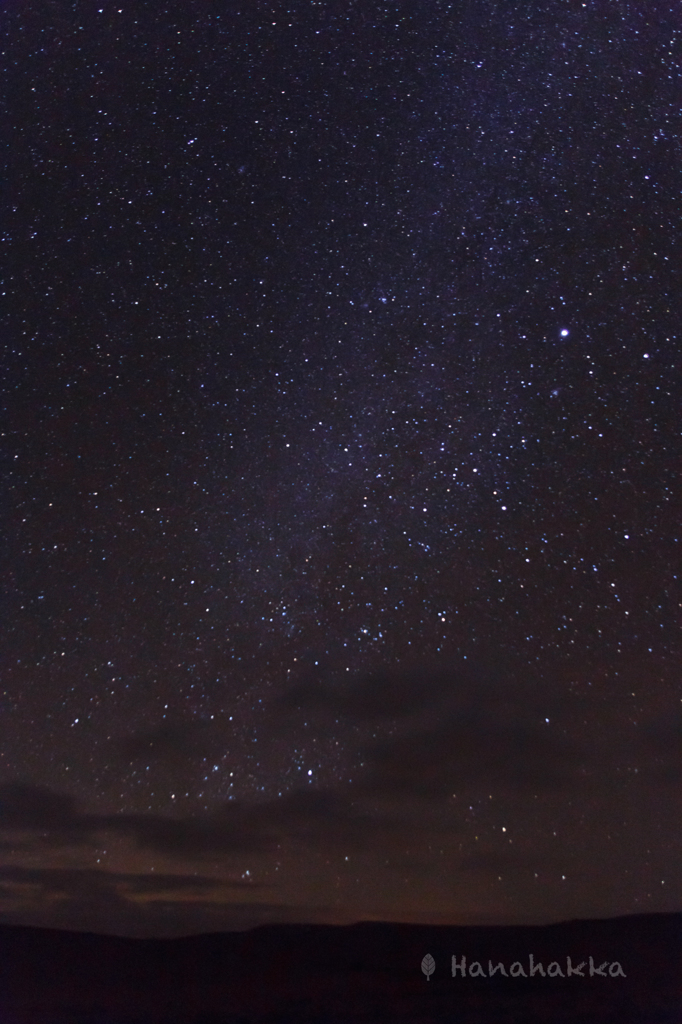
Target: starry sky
<point>340,441</point>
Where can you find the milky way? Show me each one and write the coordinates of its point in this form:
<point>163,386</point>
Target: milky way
<point>340,444</point>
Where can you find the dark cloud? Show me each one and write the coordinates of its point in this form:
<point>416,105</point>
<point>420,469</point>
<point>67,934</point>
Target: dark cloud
<point>230,832</point>
<point>78,882</point>
<point>421,736</point>
<point>35,807</point>
<point>136,904</point>
<point>455,726</point>
<point>379,696</point>
<point>656,745</point>
<point>662,733</point>
<point>488,862</point>
<point>23,806</point>
<point>330,820</point>
<point>173,742</point>
<point>450,728</point>
<point>310,817</point>
<point>472,750</point>
<point>401,693</point>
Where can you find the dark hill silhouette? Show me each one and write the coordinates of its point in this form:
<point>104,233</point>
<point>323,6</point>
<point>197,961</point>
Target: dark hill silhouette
<point>361,972</point>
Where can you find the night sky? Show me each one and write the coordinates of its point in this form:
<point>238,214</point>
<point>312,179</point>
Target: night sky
<point>340,449</point>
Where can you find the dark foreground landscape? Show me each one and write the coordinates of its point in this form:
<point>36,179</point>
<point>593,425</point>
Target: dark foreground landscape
<point>362,972</point>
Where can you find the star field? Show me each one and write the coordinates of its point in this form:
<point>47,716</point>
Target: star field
<point>340,448</point>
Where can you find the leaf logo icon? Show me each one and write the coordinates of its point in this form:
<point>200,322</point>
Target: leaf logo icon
<point>428,966</point>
